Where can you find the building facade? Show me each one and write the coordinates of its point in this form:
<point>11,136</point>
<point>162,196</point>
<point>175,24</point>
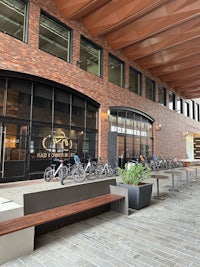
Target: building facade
<point>63,92</point>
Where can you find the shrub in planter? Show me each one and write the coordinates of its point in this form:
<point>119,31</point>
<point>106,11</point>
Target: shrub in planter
<point>139,192</point>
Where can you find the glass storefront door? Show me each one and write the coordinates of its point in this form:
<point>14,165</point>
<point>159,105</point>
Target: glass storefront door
<point>13,149</point>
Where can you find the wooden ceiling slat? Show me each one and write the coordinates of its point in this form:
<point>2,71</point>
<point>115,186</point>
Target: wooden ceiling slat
<point>75,9</point>
<point>171,54</point>
<point>194,88</point>
<point>178,65</point>
<point>160,36</point>
<point>189,73</point>
<point>115,14</point>
<point>161,19</point>
<point>177,35</point>
<point>184,82</point>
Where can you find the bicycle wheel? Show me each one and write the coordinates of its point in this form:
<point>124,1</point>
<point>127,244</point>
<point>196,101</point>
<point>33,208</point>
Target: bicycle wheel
<point>109,171</point>
<point>48,174</point>
<point>63,173</point>
<point>100,172</point>
<point>90,174</point>
<point>78,174</point>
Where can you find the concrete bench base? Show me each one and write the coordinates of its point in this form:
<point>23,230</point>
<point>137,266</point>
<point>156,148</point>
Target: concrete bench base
<point>9,209</point>
<point>17,244</point>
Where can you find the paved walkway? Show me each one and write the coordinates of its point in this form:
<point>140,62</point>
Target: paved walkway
<point>165,234</point>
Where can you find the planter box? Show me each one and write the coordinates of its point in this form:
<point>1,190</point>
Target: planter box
<point>138,196</point>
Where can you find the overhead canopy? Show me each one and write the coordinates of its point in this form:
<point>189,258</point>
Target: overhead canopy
<point>161,36</point>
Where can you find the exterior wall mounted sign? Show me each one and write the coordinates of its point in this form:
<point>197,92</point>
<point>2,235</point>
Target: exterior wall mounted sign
<point>123,130</point>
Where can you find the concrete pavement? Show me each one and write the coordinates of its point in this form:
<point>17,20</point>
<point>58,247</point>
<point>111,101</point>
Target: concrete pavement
<point>164,234</point>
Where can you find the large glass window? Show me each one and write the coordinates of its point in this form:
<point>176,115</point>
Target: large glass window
<point>150,89</point>
<point>172,101</point>
<point>42,103</point>
<point>61,107</point>
<point>2,90</point>
<point>91,116</point>
<point>13,18</point>
<point>90,57</point>
<point>135,81</point>
<point>161,95</point>
<point>134,134</point>
<point>115,71</point>
<point>54,38</point>
<point>18,99</point>
<point>15,142</point>
<point>78,112</point>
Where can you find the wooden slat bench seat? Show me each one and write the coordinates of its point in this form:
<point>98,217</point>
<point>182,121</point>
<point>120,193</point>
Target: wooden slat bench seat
<point>52,214</point>
<point>47,210</point>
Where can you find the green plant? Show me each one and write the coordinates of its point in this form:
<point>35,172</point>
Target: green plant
<point>134,174</point>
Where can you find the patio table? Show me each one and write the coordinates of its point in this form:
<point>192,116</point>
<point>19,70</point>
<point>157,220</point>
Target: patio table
<point>173,173</point>
<point>158,177</point>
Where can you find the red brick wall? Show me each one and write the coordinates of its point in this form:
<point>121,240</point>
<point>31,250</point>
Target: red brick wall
<point>27,58</point>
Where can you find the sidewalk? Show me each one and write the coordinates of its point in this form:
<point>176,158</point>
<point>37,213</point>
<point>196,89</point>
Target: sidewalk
<point>165,234</point>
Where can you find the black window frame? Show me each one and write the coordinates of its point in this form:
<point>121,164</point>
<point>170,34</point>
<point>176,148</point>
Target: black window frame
<point>135,90</point>
<point>172,101</point>
<point>193,110</point>
<point>152,95</point>
<point>70,34</point>
<point>25,25</point>
<point>83,63</point>
<point>180,105</point>
<point>162,101</point>
<point>122,75</point>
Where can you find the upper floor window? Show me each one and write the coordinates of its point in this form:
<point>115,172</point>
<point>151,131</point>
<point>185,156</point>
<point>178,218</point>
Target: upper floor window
<point>161,95</point>
<point>172,103</point>
<point>179,104</point>
<point>115,71</point>
<point>150,89</point>
<point>55,38</point>
<point>90,57</point>
<point>13,18</point>
<point>186,109</point>
<point>135,81</point>
<point>197,112</point>
<point>193,110</point>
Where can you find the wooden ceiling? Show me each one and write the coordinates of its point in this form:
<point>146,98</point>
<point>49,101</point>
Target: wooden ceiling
<point>161,36</point>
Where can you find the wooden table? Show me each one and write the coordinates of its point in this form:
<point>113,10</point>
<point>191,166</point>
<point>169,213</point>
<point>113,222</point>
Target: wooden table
<point>158,177</point>
<point>173,173</point>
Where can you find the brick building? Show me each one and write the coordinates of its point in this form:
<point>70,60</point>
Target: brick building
<point>64,91</point>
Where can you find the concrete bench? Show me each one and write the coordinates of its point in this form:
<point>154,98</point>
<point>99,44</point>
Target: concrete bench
<point>17,235</point>
<point>9,209</point>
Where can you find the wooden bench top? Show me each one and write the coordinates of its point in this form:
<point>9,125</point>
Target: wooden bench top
<point>45,216</point>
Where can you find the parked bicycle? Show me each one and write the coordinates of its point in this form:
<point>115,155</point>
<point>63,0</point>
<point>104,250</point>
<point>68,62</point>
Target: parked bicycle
<point>70,173</point>
<point>80,173</point>
<point>103,171</point>
<point>51,171</point>
<point>90,169</point>
<point>115,168</point>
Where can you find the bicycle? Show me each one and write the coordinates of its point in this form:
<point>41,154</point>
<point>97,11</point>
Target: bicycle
<point>103,170</point>
<point>90,169</point>
<point>51,171</point>
<point>79,173</point>
<point>115,169</point>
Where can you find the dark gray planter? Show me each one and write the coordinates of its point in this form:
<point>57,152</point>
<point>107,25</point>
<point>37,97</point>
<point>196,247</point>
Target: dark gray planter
<point>139,196</point>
